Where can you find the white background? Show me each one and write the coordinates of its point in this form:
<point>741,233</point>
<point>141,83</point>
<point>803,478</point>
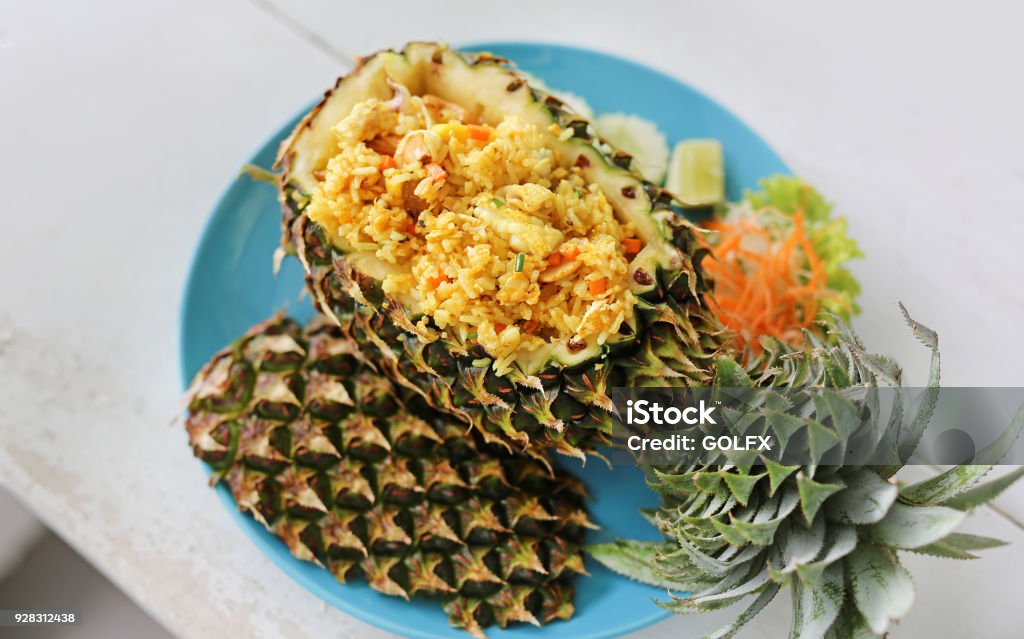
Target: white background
<point>123,121</point>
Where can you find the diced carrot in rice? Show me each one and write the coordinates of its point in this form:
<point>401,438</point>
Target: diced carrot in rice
<point>423,221</point>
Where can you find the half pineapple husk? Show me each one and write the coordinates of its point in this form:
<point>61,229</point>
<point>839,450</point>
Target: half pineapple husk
<point>362,479</point>
<point>830,533</point>
<point>553,397</point>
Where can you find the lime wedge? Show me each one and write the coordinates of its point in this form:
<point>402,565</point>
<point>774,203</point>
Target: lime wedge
<point>696,174</point>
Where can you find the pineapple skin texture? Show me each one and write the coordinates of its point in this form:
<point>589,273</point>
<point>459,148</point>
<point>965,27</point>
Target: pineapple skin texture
<point>562,407</point>
<point>329,457</point>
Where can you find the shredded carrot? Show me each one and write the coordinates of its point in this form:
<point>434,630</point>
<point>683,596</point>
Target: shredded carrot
<point>598,286</point>
<point>632,245</point>
<point>764,285</point>
<point>437,280</point>
<point>435,172</point>
<point>477,132</point>
<point>387,162</point>
<point>571,253</point>
<point>554,259</point>
<point>410,227</point>
<point>499,327</point>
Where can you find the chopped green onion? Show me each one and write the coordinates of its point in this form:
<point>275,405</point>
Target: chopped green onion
<point>520,261</point>
<point>580,193</point>
<point>471,336</point>
<point>497,201</point>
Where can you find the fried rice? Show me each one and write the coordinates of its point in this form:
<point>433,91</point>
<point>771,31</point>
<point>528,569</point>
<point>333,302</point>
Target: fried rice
<point>482,228</point>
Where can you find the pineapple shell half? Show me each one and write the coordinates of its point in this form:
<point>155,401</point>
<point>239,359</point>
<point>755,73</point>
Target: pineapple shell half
<point>557,399</point>
<point>331,459</point>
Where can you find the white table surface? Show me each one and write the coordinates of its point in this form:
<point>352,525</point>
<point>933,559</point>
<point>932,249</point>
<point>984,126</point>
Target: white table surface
<point>123,121</point>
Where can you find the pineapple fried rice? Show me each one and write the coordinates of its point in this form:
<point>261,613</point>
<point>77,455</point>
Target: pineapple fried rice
<point>477,227</point>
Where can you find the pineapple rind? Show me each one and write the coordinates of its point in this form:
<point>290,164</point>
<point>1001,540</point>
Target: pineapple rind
<point>357,477</point>
<point>561,405</point>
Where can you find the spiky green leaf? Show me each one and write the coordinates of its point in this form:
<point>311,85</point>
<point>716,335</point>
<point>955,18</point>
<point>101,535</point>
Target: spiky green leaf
<point>777,473</point>
<point>882,588</point>
<point>762,600</point>
<point>943,488</point>
<point>888,371</point>
<point>821,439</point>
<point>801,545</point>
<point>994,452</point>
<point>761,530</point>
<point>840,541</point>
<point>844,415</point>
<point>758,533</point>
<point>721,596</point>
<point>671,483</point>
<point>866,500</point>
<point>741,485</point>
<point>635,560</point>
<point>959,546</point>
<point>816,605</point>
<point>985,492</point>
<point>850,625</point>
<point>887,448</point>
<point>925,335</point>
<point>908,527</point>
<point>783,425</point>
<point>813,495</point>
<point>729,374</point>
<point>911,437</point>
<point>945,485</point>
<point>711,566</point>
<point>708,481</point>
<point>730,531</point>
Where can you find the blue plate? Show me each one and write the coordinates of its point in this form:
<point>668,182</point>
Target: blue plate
<point>231,287</point>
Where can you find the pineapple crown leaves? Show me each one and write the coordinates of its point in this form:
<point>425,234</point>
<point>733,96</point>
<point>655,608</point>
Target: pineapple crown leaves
<point>828,531</point>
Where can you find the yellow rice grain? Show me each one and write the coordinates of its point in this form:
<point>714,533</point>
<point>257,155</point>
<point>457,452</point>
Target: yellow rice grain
<point>455,260</point>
